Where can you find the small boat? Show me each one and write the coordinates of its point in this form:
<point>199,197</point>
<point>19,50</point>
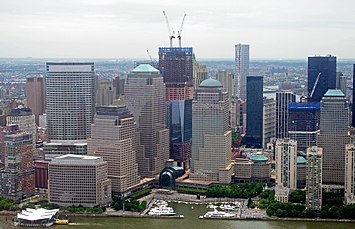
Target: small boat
<point>192,207</point>
<point>61,221</point>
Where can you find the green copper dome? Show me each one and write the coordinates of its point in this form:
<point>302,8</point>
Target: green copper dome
<point>211,83</point>
<point>145,68</point>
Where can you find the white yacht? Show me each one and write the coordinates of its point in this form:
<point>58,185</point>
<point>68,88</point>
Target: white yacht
<point>162,210</point>
<point>218,214</point>
<point>228,207</point>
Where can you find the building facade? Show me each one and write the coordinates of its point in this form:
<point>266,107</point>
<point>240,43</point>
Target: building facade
<point>226,79</point>
<point>349,190</point>
<point>269,120</point>
<point>35,95</point>
<point>283,99</point>
<point>145,98</point>
<point>105,94</point>
<point>176,66</point>
<point>199,72</point>
<point>301,172</point>
<point>321,76</point>
<point>314,179</point>
<point>211,148</point>
<point>78,180</point>
<point>303,124</point>
<point>70,100</point>
<point>241,70</point>
<point>25,120</point>
<point>114,138</point>
<point>333,136</point>
<point>254,132</point>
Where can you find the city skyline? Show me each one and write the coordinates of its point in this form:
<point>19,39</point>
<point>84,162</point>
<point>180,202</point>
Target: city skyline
<point>113,30</point>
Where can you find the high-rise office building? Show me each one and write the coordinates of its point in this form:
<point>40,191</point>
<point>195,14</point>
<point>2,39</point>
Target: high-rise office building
<point>114,138</point>
<point>25,120</point>
<point>303,124</point>
<point>17,179</point>
<point>35,95</point>
<point>254,133</point>
<point>349,174</point>
<point>286,168</point>
<point>79,180</point>
<point>199,72</point>
<point>176,66</point>
<point>241,70</point>
<point>341,82</point>
<point>321,76</point>
<point>314,179</point>
<point>282,100</point>
<point>269,120</point>
<point>118,84</point>
<point>105,94</point>
<point>238,115</point>
<point>211,148</point>
<point>226,79</point>
<point>333,136</point>
<point>353,107</point>
<point>69,100</point>
<point>145,98</point>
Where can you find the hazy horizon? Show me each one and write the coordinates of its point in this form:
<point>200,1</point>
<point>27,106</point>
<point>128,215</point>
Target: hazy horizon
<point>275,29</point>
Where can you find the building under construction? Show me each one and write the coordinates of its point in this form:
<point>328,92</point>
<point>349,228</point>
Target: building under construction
<point>176,66</point>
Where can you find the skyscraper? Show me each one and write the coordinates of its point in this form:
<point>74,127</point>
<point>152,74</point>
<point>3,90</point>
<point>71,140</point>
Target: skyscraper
<point>333,136</point>
<point>341,82</point>
<point>286,168</point>
<point>303,124</point>
<point>211,148</point>
<point>69,100</point>
<point>114,138</point>
<point>145,98</point>
<point>25,120</point>
<point>314,179</point>
<point>269,120</point>
<point>353,107</point>
<point>254,133</point>
<point>105,94</point>
<point>199,72</point>
<point>226,79</point>
<point>35,95</point>
<point>241,70</point>
<point>175,64</point>
<point>349,174</point>
<point>282,100</point>
<point>321,76</point>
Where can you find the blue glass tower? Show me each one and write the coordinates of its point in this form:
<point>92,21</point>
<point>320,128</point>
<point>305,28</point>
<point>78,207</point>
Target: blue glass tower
<point>322,72</point>
<point>254,134</point>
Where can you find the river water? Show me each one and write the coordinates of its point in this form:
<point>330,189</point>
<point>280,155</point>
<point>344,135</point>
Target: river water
<point>191,220</point>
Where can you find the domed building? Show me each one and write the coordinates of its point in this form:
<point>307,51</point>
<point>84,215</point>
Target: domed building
<point>211,134</point>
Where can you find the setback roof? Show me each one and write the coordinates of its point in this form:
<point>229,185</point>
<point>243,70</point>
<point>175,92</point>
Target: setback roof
<point>334,93</point>
<point>145,68</point>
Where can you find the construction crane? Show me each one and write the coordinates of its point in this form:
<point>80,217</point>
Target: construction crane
<point>315,85</point>
<point>180,31</point>
<point>171,32</point>
<point>152,61</point>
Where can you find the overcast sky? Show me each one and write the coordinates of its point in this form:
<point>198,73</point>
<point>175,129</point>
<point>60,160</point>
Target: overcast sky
<point>275,29</point>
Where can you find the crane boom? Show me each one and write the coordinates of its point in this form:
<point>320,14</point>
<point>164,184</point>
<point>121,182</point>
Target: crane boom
<point>180,31</point>
<point>315,85</point>
<point>171,32</point>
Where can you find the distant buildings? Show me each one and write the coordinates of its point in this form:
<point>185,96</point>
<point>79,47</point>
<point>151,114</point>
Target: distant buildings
<point>226,79</point>
<point>333,136</point>
<point>286,168</point>
<point>17,177</point>
<point>241,70</point>
<point>199,72</point>
<point>314,179</point>
<point>353,101</point>
<point>176,66</point>
<point>79,180</point>
<point>322,72</point>
<point>118,84</point>
<point>105,94</point>
<point>283,99</point>
<point>211,148</point>
<point>69,100</point>
<point>303,124</point>
<point>114,138</point>
<point>269,120</point>
<point>254,133</point>
<point>341,82</point>
<point>35,95</point>
<point>145,98</point>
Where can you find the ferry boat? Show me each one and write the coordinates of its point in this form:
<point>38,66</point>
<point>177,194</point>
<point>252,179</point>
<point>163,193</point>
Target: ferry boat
<point>161,210</point>
<point>217,214</point>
